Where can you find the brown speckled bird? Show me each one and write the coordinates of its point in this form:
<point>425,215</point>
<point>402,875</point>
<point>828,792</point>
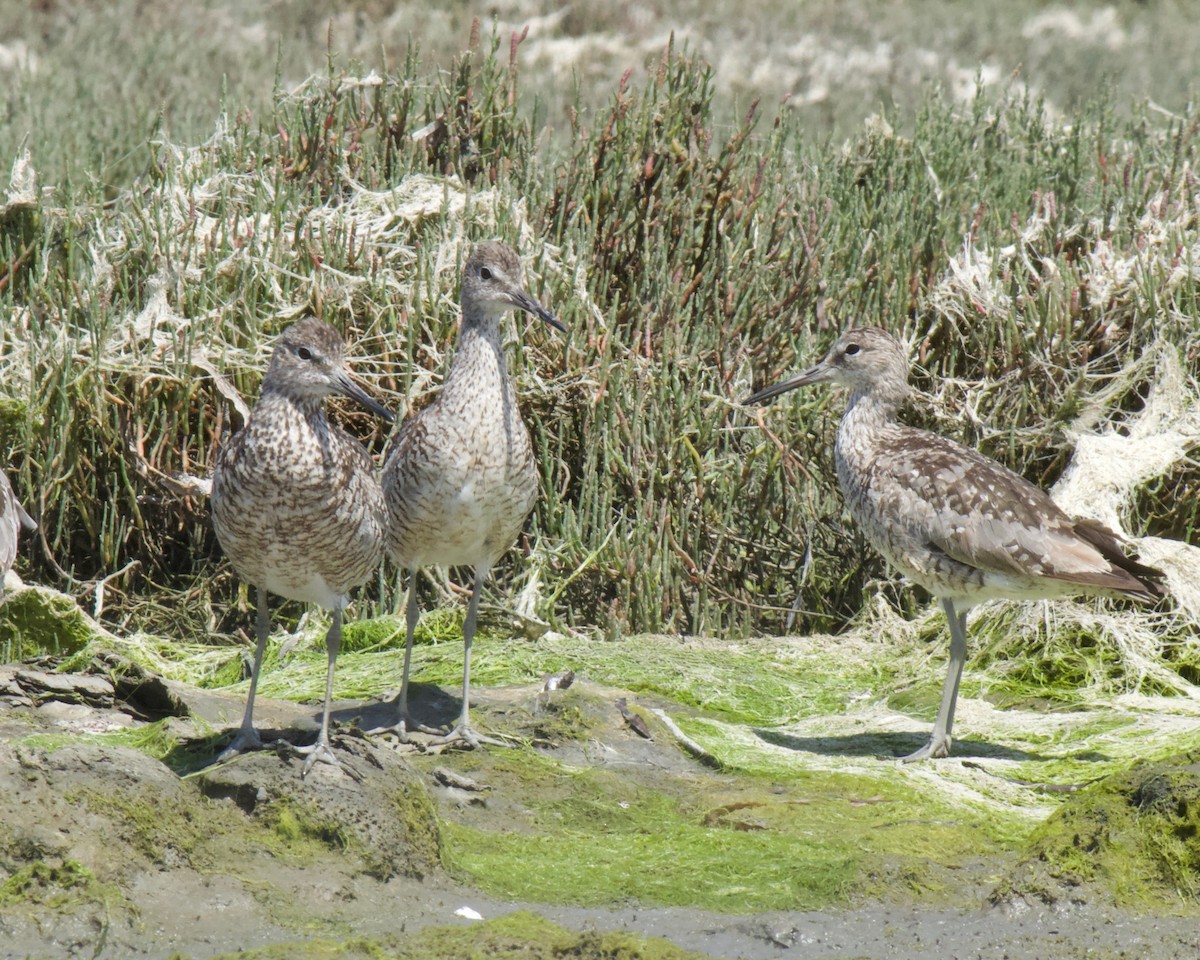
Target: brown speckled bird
<point>296,501</point>
<point>12,518</point>
<point>963,526</point>
<point>459,478</point>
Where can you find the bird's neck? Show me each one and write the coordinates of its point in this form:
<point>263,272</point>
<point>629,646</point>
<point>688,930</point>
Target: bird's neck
<point>869,418</point>
<point>282,407</point>
<point>869,409</point>
<point>479,363</point>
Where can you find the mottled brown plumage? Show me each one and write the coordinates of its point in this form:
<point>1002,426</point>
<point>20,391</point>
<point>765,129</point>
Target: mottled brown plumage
<point>958,523</point>
<point>296,502</point>
<point>459,479</point>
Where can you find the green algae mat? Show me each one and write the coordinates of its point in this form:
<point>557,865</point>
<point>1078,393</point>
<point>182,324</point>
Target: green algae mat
<point>759,775</point>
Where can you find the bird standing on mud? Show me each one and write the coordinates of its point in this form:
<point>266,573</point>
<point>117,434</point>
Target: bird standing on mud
<point>961,525</point>
<point>296,501</point>
<point>459,478</point>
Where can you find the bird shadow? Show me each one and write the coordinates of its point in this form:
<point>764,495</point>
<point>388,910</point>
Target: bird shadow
<point>893,746</point>
<point>296,724</point>
<point>428,705</point>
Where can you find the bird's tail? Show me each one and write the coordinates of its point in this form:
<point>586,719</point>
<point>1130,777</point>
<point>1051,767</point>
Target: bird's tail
<point>1146,582</point>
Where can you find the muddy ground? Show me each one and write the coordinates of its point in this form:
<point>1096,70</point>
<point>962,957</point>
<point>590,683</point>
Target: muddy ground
<point>108,852</point>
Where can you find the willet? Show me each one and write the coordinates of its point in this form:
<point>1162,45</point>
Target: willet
<point>12,518</point>
<point>296,502</point>
<point>961,525</point>
<point>459,478</point>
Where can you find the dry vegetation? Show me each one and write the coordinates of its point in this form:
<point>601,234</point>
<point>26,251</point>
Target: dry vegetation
<point>1032,262</point>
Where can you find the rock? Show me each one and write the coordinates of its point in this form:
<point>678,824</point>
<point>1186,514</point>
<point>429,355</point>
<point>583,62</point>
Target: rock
<point>374,805</point>
<point>68,687</point>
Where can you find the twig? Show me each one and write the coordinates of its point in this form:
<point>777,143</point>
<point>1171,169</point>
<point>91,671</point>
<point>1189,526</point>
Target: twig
<point>688,744</point>
<point>1032,784</point>
<point>97,587</point>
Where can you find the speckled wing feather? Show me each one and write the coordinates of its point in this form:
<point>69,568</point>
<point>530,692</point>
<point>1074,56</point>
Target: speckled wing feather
<point>979,513</point>
<point>305,505</point>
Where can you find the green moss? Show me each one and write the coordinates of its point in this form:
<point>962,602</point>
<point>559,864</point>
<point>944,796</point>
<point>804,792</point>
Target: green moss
<point>515,936</point>
<point>287,826</point>
<point>297,831</point>
<point>187,829</point>
<point>587,836</point>
<point>1134,835</point>
<point>170,657</point>
<point>294,824</point>
<point>442,625</point>
<point>154,739</point>
<point>166,830</point>
<point>43,883</point>
<point>752,682</point>
<point>55,885</point>
<point>1030,661</point>
<point>158,740</point>
<point>37,621</point>
<point>231,673</point>
<point>570,715</point>
<point>358,948</point>
<point>412,806</point>
<point>378,633</point>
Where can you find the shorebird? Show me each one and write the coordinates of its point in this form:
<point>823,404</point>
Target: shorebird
<point>296,502</point>
<point>961,525</point>
<point>12,518</point>
<point>459,478</point>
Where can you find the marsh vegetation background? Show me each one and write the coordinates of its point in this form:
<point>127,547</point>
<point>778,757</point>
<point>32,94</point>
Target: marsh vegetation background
<point>704,201</point>
<point>705,194</point>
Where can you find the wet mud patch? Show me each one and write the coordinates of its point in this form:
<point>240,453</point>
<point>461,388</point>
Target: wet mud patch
<point>520,935</point>
<point>103,846</point>
<point>374,808</point>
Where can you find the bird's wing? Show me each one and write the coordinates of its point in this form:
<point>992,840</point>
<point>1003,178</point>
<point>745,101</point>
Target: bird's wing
<point>10,514</point>
<point>980,513</point>
<point>411,434</point>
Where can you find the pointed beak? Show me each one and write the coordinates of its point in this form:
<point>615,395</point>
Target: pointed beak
<point>348,388</point>
<point>523,301</point>
<point>815,374</point>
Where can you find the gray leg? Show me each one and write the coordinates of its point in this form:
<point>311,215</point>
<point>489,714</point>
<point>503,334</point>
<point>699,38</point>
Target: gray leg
<point>939,741</point>
<point>247,737</point>
<point>481,572</point>
<point>412,614</point>
<point>320,750</point>
<point>462,732</point>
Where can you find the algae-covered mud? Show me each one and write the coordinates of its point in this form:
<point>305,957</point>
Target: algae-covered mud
<point>681,798</point>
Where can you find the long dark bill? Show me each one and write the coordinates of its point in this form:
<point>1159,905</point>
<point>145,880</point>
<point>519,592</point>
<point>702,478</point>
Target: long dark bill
<point>811,375</point>
<point>523,301</point>
<point>349,388</point>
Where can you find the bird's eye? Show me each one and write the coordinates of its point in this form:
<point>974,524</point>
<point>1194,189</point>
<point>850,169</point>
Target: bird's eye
<point>304,353</point>
<point>851,349</point>
<point>485,273</point>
